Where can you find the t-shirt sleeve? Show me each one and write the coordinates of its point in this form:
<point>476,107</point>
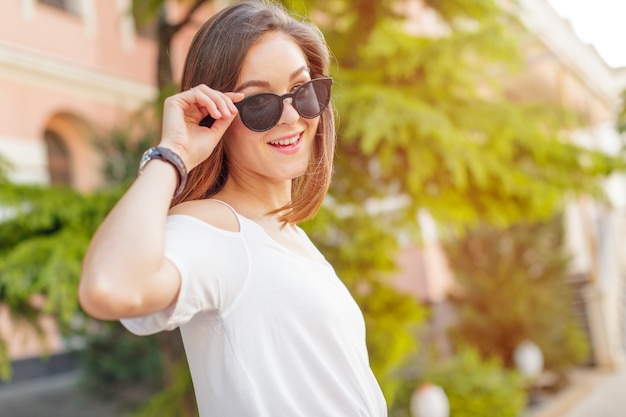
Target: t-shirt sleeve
<point>213,266</point>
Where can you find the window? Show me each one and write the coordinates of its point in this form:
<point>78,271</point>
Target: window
<point>70,6</point>
<point>59,4</point>
<point>59,163</point>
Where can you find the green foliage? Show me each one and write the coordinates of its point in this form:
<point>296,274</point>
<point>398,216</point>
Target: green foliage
<point>621,117</point>
<point>5,168</point>
<point>475,387</point>
<point>45,231</point>
<point>146,12</point>
<point>428,118</point>
<point>5,365</point>
<point>362,252</point>
<point>122,148</point>
<point>115,361</point>
<point>445,135</point>
<point>175,400</point>
<point>515,289</point>
<point>43,238</point>
<point>42,244</point>
<point>393,321</point>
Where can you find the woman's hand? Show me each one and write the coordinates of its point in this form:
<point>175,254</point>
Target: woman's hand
<point>182,114</point>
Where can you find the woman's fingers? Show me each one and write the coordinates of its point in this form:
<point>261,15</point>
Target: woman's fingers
<point>224,109</point>
<point>216,104</point>
<point>181,121</point>
<point>235,97</point>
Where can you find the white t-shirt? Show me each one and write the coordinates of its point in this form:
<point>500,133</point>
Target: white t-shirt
<point>267,332</point>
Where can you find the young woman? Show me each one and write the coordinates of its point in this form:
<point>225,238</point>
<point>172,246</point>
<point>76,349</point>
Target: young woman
<point>268,327</point>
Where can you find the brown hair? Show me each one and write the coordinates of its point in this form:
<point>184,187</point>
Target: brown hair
<point>215,58</point>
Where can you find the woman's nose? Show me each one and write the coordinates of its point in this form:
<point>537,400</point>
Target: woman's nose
<point>290,115</point>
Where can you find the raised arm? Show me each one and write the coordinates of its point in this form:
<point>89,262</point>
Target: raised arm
<point>125,272</point>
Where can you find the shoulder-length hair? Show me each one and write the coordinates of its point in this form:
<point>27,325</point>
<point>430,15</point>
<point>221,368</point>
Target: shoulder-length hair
<point>215,58</point>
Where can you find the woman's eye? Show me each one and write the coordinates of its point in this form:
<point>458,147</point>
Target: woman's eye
<point>298,85</point>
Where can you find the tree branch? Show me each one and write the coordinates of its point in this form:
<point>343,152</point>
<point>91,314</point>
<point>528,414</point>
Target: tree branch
<point>175,28</point>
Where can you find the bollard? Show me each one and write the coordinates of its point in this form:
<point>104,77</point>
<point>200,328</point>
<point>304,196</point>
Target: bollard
<point>429,400</point>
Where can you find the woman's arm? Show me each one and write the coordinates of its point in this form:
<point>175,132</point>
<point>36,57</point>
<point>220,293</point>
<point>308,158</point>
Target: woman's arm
<point>125,272</point>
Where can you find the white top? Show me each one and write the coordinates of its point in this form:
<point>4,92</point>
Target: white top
<point>267,332</point>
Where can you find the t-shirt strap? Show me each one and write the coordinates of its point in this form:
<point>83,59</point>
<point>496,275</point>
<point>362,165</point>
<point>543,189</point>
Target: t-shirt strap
<point>230,208</point>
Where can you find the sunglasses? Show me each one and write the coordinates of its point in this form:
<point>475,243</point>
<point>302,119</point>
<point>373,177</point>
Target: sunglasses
<point>261,112</point>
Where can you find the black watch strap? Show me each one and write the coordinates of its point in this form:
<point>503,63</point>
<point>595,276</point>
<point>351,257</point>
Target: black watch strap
<point>164,154</point>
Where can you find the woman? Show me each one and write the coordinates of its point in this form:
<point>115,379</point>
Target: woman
<point>268,328</point>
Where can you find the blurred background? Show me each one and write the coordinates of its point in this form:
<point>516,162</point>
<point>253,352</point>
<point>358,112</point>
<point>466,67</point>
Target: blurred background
<point>477,212</point>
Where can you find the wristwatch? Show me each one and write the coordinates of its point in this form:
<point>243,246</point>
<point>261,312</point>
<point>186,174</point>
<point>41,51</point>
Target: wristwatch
<point>164,154</point>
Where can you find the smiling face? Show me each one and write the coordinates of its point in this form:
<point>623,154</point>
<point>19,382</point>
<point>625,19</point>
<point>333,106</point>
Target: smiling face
<point>274,64</point>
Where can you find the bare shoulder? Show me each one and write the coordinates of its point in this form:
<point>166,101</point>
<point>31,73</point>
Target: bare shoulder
<point>213,212</point>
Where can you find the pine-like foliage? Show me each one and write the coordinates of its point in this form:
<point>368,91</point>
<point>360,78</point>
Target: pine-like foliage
<point>621,117</point>
<point>44,233</point>
<point>427,119</point>
<point>43,238</point>
<point>515,289</point>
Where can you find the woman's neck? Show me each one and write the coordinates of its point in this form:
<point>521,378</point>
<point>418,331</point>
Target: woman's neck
<point>255,200</point>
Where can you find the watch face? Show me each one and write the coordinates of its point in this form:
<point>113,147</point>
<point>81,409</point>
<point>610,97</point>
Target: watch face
<point>166,155</point>
<point>153,153</point>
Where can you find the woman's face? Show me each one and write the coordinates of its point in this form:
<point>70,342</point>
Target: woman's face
<point>274,64</point>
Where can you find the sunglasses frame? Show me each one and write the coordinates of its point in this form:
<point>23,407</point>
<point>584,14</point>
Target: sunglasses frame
<point>326,81</point>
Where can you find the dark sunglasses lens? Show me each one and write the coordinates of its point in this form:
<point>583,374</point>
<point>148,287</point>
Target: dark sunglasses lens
<point>260,112</point>
<point>312,98</point>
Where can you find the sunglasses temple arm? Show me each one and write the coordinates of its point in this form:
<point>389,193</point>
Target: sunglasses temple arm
<point>208,120</point>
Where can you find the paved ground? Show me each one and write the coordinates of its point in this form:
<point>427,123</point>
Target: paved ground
<point>594,393</point>
<point>607,399</point>
<point>56,396</point>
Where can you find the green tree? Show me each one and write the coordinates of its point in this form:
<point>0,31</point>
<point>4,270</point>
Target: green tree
<point>475,386</point>
<point>621,117</point>
<point>516,289</point>
<point>426,119</point>
<point>45,231</point>
<point>153,14</point>
<point>43,237</point>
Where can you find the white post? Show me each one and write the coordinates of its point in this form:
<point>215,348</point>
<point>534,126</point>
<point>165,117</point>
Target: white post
<point>430,400</point>
<point>528,360</point>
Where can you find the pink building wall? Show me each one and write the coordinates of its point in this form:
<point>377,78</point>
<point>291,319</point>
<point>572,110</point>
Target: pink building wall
<point>73,74</point>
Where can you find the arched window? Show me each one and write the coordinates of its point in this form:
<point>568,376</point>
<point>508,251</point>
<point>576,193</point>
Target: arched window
<point>70,6</point>
<point>59,163</point>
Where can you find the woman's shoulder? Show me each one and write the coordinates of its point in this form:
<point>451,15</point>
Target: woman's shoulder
<point>214,212</point>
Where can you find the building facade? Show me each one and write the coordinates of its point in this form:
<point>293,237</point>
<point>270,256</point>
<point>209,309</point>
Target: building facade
<point>67,70</point>
<point>559,68</point>
<point>562,69</point>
